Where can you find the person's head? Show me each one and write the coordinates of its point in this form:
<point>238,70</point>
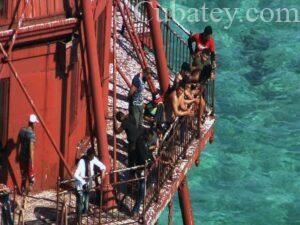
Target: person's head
<point>185,68</point>
<point>148,134</point>
<point>120,116</point>
<point>147,72</point>
<point>205,55</point>
<point>180,89</point>
<point>188,86</point>
<point>207,33</point>
<point>32,120</point>
<point>90,154</point>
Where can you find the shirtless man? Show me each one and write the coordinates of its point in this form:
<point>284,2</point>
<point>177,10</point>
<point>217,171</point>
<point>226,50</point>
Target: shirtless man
<point>193,95</point>
<point>178,105</point>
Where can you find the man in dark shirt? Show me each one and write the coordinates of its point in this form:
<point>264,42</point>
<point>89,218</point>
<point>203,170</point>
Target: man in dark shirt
<point>25,152</point>
<point>146,144</point>
<point>136,96</point>
<point>128,125</point>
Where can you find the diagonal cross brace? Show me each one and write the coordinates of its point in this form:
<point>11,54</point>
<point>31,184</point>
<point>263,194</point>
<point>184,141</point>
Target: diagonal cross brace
<point>135,41</point>
<point>30,101</point>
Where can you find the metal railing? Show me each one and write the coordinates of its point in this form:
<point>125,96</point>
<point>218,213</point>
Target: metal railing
<point>175,36</point>
<point>173,148</point>
<point>175,40</point>
<point>125,195</point>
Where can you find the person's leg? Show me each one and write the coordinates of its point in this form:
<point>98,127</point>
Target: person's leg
<point>79,204</point>
<point>201,108</point>
<point>139,199</point>
<point>135,113</point>
<point>141,115</point>
<point>24,175</point>
<point>131,154</point>
<point>86,201</point>
<point>6,212</point>
<point>31,175</point>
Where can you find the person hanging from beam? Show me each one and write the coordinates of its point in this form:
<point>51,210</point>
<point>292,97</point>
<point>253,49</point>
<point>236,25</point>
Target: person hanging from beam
<point>136,96</point>
<point>25,153</point>
<point>84,175</point>
<point>203,41</point>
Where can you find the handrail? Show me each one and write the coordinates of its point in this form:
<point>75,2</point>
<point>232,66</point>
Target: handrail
<point>176,46</point>
<point>186,31</point>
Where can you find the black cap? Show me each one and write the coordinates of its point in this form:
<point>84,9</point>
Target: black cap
<point>208,30</point>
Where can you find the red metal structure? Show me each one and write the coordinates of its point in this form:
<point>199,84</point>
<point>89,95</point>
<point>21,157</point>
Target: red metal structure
<point>57,60</point>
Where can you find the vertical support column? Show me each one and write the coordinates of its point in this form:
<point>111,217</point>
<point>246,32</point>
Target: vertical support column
<point>185,203</point>
<point>107,52</point>
<point>97,99</point>
<point>158,45</point>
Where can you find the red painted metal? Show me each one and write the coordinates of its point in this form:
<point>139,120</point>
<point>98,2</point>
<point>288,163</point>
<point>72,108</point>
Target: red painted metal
<point>115,163</point>
<point>94,73</point>
<point>130,31</point>
<point>135,36</point>
<point>20,23</point>
<point>30,101</point>
<point>107,52</point>
<point>126,16</point>
<point>123,75</point>
<point>185,203</point>
<point>158,45</point>
<point>41,31</point>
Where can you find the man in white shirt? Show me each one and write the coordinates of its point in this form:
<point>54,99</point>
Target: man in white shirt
<point>83,175</point>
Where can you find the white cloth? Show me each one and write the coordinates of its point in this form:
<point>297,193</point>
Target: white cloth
<point>79,174</point>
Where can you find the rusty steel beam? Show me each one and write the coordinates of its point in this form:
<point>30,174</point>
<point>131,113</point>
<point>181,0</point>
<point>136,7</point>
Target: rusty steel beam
<point>29,99</point>
<point>41,30</point>
<point>138,41</point>
<point>185,203</point>
<point>19,25</point>
<point>137,45</point>
<point>123,76</point>
<point>158,46</point>
<point>97,99</point>
<point>107,52</point>
<point>115,81</point>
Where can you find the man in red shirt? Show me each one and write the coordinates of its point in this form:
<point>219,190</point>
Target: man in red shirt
<point>203,41</point>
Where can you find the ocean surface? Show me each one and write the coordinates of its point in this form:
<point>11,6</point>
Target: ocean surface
<point>251,174</point>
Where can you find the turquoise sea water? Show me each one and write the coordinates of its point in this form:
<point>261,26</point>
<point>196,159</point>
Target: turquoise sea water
<point>251,174</point>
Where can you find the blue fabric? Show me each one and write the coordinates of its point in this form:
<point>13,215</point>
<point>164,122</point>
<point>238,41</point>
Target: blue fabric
<point>140,197</point>
<point>82,203</point>
<point>138,98</point>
